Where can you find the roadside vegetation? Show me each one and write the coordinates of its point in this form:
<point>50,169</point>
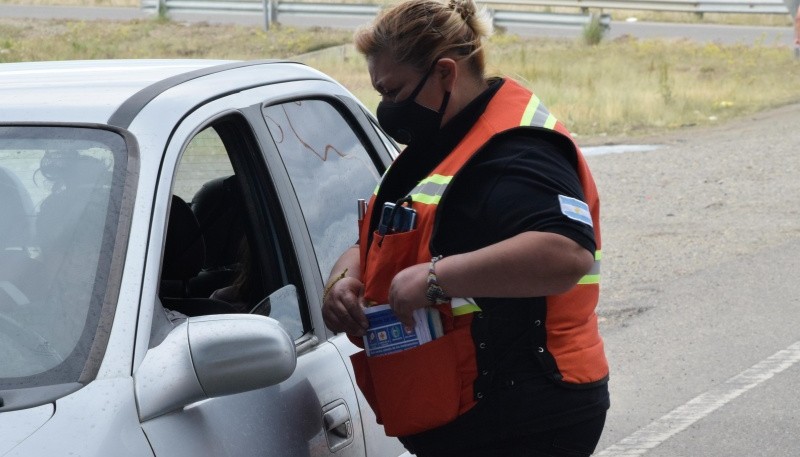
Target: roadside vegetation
<point>621,87</point>
<point>616,14</point>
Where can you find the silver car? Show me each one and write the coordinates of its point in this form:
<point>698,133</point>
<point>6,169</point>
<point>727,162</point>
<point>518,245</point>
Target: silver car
<point>165,230</point>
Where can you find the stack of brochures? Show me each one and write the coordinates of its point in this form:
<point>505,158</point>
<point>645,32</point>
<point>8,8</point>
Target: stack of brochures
<point>387,335</point>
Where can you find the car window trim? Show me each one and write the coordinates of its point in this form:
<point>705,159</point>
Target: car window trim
<point>261,192</point>
<point>355,117</point>
<point>130,108</point>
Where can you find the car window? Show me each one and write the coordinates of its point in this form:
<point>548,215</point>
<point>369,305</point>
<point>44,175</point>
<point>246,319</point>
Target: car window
<point>222,253</point>
<point>60,199</point>
<point>204,159</point>
<point>329,167</point>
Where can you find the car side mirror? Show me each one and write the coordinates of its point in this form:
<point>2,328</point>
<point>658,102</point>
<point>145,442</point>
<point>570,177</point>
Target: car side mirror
<point>211,356</point>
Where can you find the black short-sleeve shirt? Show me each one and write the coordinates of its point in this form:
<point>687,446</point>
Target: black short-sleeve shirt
<point>512,185</point>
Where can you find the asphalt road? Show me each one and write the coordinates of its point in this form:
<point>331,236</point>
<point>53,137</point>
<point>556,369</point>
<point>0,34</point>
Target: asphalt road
<point>697,32</point>
<point>710,365</point>
<point>674,384</point>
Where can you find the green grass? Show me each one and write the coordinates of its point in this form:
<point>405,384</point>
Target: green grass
<point>621,87</point>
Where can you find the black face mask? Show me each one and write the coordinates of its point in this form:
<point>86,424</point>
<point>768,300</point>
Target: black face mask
<point>409,122</point>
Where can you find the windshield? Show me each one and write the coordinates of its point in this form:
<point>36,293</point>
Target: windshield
<point>60,194</point>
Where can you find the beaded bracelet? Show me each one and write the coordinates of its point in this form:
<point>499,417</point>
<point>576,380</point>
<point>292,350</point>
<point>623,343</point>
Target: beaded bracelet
<point>332,283</point>
<point>435,294</point>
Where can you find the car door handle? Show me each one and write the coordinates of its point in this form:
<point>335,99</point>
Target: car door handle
<point>338,425</point>
<point>337,421</point>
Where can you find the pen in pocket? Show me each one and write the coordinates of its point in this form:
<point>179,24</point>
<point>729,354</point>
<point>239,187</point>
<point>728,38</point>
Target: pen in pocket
<point>362,208</point>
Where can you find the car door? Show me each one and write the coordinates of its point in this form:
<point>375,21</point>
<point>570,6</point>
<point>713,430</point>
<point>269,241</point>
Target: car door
<point>313,413</point>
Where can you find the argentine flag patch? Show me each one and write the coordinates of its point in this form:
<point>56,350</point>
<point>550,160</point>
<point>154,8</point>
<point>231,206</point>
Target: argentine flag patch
<point>575,210</point>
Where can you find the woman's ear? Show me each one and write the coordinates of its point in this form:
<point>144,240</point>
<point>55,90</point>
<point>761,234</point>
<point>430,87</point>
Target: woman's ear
<point>446,70</point>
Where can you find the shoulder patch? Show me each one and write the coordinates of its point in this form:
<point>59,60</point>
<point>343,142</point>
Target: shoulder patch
<point>575,209</point>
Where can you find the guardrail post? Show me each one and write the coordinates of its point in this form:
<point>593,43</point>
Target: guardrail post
<point>605,21</point>
<point>270,13</point>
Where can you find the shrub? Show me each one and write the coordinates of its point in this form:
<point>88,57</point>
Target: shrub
<point>593,31</point>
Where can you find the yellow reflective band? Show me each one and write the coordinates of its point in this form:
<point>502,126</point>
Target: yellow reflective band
<point>429,191</point>
<point>530,110</point>
<point>550,123</point>
<point>462,306</point>
<point>426,199</point>
<point>437,179</point>
<point>377,186</point>
<point>593,276</point>
<point>466,309</point>
<point>537,115</point>
<point>590,279</point>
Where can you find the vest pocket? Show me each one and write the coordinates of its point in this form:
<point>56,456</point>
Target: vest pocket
<point>388,255</point>
<point>413,390</point>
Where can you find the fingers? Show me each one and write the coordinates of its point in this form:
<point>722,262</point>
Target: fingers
<point>406,316</point>
<point>407,293</point>
<point>342,310</point>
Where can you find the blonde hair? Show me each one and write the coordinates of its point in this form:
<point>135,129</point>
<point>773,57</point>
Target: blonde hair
<point>418,32</point>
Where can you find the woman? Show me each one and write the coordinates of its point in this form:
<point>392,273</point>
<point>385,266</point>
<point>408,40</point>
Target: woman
<point>505,248</point>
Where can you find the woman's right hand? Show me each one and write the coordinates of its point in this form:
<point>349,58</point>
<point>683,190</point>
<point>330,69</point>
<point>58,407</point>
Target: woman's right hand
<point>343,309</point>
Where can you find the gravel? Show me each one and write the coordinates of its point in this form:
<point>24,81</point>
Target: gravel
<point>705,197</point>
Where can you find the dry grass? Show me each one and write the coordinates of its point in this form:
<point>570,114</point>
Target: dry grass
<point>619,15</point>
<point>33,40</point>
<point>782,20</point>
<point>624,87</point>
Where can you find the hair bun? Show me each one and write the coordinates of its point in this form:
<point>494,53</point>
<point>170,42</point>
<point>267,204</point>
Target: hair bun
<point>465,8</point>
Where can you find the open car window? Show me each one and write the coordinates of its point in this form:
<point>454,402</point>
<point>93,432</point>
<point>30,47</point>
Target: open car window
<point>227,250</point>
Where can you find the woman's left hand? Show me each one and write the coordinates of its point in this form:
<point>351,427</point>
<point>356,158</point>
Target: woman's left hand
<point>407,293</point>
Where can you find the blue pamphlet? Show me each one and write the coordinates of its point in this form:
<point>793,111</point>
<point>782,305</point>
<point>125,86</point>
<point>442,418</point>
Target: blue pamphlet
<point>387,335</point>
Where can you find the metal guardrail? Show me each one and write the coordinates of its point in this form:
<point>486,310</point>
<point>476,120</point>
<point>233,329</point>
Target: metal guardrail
<point>687,6</point>
<point>272,9</point>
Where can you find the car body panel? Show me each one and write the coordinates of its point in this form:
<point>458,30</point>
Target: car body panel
<point>75,430</point>
<point>20,424</point>
<point>317,410</point>
<point>31,90</point>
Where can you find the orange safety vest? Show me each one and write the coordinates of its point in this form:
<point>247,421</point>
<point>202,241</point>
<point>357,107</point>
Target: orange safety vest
<point>430,385</point>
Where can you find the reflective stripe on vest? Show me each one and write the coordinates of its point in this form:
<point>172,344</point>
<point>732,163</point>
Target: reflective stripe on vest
<point>429,191</point>
<point>593,276</point>
<point>462,306</point>
<point>536,115</point>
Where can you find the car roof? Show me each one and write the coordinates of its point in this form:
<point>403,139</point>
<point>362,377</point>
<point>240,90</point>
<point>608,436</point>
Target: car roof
<point>111,91</point>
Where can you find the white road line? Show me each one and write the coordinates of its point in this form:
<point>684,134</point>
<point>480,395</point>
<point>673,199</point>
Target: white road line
<point>682,417</point>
